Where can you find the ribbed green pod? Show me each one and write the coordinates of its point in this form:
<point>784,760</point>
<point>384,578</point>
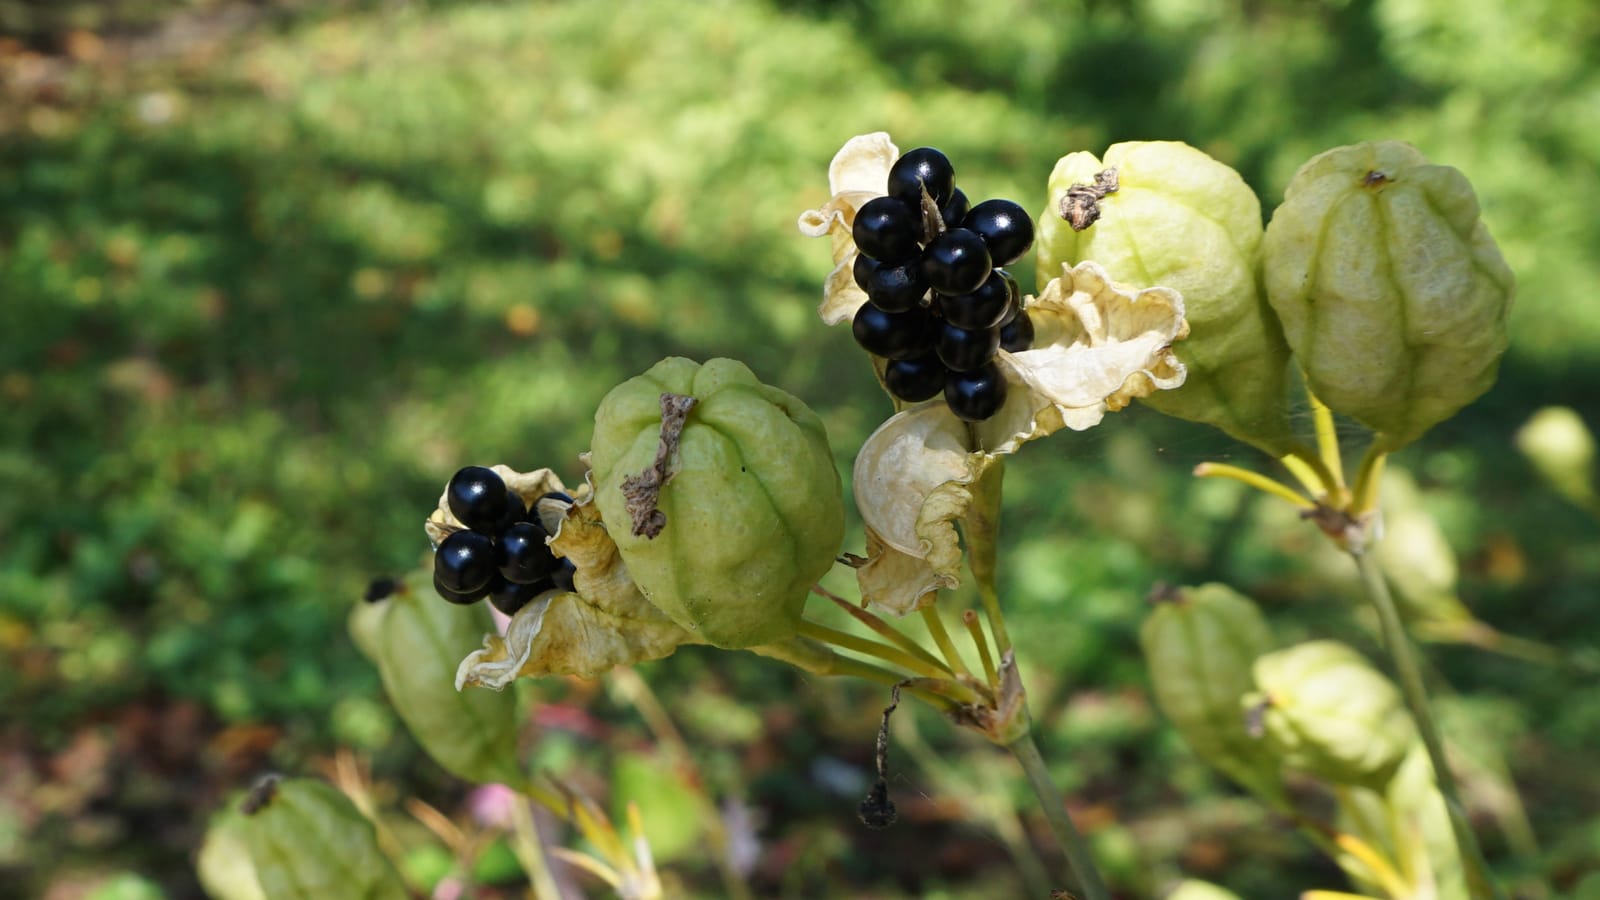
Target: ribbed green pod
<point>308,842</point>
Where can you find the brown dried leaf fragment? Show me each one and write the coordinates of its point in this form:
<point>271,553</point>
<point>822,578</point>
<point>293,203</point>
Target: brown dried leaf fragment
<point>1080,206</point>
<point>643,491</point>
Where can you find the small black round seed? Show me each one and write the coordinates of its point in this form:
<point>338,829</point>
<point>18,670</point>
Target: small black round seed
<point>478,497</point>
<point>963,350</point>
<point>897,288</point>
<point>508,596</point>
<point>1017,334</point>
<point>953,212</point>
<point>982,308</point>
<point>863,269</point>
<point>921,168</point>
<point>886,230</point>
<point>890,335</point>
<point>976,395</point>
<point>1005,228</point>
<point>466,598</point>
<point>464,561</point>
<point>561,578</point>
<point>380,588</point>
<point>956,262</point>
<point>516,511</point>
<point>521,554</point>
<point>915,380</point>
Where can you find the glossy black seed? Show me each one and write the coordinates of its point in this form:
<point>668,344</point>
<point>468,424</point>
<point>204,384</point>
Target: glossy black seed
<point>556,496</point>
<point>464,598</point>
<point>915,380</point>
<point>516,511</point>
<point>508,596</point>
<point>561,578</point>
<point>962,350</point>
<point>886,230</point>
<point>1005,228</point>
<point>953,212</point>
<point>521,554</point>
<point>897,288</point>
<point>976,395</point>
<point>863,269</point>
<point>478,497</point>
<point>380,588</point>
<point>464,561</point>
<point>1017,335</point>
<point>983,308</point>
<point>919,168</point>
<point>893,335</point>
<point>956,262</point>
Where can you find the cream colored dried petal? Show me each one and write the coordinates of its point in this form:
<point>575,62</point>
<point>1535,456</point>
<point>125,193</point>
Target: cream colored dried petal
<point>529,486</point>
<point>841,296</point>
<point>897,582</point>
<point>606,623</point>
<point>1098,345</point>
<point>858,173</point>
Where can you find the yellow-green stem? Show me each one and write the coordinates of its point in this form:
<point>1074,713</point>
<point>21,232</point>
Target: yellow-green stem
<point>1083,871</point>
<point>1365,492</point>
<point>970,619</point>
<point>1480,880</point>
<point>1328,447</point>
<point>1254,479</point>
<point>877,624</point>
<point>1309,469</point>
<point>930,617</point>
<point>528,847</point>
<point>819,659</point>
<point>868,647</point>
<point>981,528</point>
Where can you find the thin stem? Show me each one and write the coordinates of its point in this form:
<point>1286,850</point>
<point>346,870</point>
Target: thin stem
<point>930,617</point>
<point>970,619</point>
<point>1255,479</point>
<point>1365,493</point>
<point>878,625</point>
<point>1328,446</point>
<point>528,847</point>
<point>868,647</point>
<point>1309,469</point>
<point>981,528</point>
<point>820,659</point>
<point>1480,882</point>
<point>1079,860</point>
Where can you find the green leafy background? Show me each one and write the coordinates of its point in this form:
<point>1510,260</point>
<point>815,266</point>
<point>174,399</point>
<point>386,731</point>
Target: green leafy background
<point>269,272</point>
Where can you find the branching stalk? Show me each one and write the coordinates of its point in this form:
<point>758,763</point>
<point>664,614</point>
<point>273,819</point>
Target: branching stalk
<point>930,617</point>
<point>1079,860</point>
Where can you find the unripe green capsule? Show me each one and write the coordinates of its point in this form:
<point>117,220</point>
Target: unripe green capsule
<point>1180,219</point>
<point>226,869</point>
<point>308,842</point>
<point>417,640</point>
<point>1390,289</point>
<point>1194,889</point>
<point>1199,646</point>
<point>721,495</point>
<point>1326,711</point>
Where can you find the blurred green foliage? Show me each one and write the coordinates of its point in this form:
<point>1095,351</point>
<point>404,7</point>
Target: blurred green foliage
<point>260,296</point>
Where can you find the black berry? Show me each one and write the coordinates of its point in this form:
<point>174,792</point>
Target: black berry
<point>478,497</point>
<point>963,350</point>
<point>953,212</point>
<point>956,262</point>
<point>464,562</point>
<point>508,596</point>
<point>863,269</point>
<point>886,230</point>
<point>464,598</point>
<point>1005,228</point>
<point>380,588</point>
<point>521,554</point>
<point>915,380</point>
<point>985,307</point>
<point>899,335</point>
<point>897,288</point>
<point>561,578</point>
<point>1017,335</point>
<point>921,168</point>
<point>976,395</point>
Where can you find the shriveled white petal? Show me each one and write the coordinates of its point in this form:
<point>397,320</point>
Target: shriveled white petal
<point>858,173</point>
<point>607,622</point>
<point>897,582</point>
<point>1098,345</point>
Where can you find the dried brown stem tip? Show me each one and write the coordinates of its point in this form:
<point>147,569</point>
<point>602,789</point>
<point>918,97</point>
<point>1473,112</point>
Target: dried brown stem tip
<point>1080,205</point>
<point>877,810</point>
<point>642,492</point>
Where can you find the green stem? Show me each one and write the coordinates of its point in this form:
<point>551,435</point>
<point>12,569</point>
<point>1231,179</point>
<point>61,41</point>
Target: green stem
<point>818,658</point>
<point>868,647</point>
<point>1079,860</point>
<point>1480,881</point>
<point>941,637</point>
<point>981,526</point>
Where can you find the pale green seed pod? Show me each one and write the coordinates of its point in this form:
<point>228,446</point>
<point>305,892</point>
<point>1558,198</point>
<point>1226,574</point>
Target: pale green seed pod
<point>1407,822</point>
<point>1199,647</point>
<point>1561,449</point>
<point>417,640</point>
<point>1391,292</point>
<point>1180,219</point>
<point>1327,712</point>
<point>225,866</point>
<point>721,495</point>
<point>1194,889</point>
<point>309,842</point>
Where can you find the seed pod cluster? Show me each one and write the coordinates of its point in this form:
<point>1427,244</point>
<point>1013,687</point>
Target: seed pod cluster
<point>940,304</point>
<point>502,553</point>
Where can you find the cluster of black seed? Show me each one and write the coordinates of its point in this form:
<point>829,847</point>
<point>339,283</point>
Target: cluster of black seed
<point>502,553</point>
<point>939,304</point>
